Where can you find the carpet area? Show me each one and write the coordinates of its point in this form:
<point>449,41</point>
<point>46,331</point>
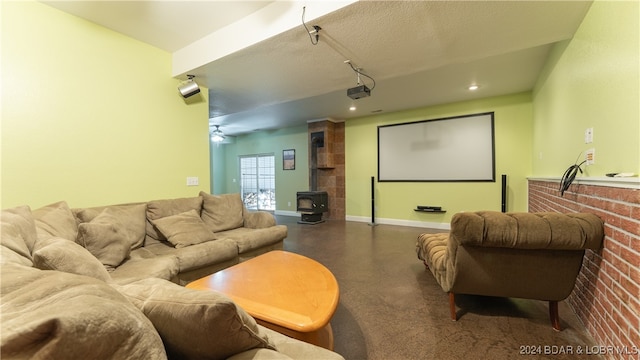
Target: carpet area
<point>392,308</point>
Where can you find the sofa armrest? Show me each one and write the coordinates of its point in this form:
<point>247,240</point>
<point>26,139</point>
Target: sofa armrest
<point>543,230</point>
<point>258,219</point>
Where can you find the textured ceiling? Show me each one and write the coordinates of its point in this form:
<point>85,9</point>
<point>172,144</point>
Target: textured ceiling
<point>420,53</point>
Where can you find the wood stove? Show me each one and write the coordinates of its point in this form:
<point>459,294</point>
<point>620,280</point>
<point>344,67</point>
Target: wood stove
<point>311,204</point>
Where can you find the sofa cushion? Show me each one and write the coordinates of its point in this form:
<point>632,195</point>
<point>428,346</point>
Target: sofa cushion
<point>136,268</point>
<point>258,219</point>
<point>66,316</point>
<point>222,212</point>
<point>195,324</point>
<point>131,220</point>
<point>432,249</point>
<point>251,239</point>
<point>67,256</point>
<point>111,235</point>
<point>9,256</point>
<point>17,235</point>
<point>199,255</point>
<point>56,220</point>
<point>157,209</point>
<point>288,348</point>
<point>184,229</point>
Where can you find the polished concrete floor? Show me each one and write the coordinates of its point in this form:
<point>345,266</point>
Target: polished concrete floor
<point>392,308</point>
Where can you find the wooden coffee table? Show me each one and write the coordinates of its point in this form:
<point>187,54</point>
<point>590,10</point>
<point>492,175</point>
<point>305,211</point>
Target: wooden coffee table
<point>283,291</point>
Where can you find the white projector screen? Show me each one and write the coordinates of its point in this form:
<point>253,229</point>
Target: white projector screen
<point>449,149</point>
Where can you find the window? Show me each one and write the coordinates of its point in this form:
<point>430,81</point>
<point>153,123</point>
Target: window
<point>258,182</point>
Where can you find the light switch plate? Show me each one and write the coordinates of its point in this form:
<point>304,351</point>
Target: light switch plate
<point>588,136</point>
<point>192,181</point>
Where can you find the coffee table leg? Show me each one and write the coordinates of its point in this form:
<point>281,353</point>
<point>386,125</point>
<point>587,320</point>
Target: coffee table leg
<point>322,337</point>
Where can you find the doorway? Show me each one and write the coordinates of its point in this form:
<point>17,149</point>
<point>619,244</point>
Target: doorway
<point>258,181</point>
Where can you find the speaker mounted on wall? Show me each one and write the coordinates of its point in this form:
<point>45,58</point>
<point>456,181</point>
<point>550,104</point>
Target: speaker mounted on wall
<point>189,87</point>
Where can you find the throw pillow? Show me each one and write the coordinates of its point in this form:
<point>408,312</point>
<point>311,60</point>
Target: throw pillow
<point>106,238</point>
<point>56,220</point>
<point>222,212</point>
<point>195,324</point>
<point>56,315</point>
<point>18,234</point>
<point>131,220</point>
<point>184,229</point>
<point>67,256</point>
<point>162,208</point>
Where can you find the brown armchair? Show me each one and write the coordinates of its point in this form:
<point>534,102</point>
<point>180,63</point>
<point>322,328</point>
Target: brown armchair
<point>522,255</point>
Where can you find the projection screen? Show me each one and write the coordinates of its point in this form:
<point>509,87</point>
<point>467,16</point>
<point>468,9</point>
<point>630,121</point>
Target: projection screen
<point>449,149</point>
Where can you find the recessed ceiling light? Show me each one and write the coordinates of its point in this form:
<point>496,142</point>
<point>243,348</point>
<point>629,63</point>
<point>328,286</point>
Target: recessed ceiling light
<point>473,87</point>
<point>352,108</point>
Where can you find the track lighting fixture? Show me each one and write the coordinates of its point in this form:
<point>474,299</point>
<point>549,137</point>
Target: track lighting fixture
<point>189,87</point>
<point>217,135</point>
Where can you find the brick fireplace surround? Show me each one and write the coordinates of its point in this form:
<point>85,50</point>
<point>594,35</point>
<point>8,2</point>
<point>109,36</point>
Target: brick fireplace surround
<point>607,294</point>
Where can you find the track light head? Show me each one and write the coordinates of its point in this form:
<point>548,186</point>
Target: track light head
<point>189,87</point>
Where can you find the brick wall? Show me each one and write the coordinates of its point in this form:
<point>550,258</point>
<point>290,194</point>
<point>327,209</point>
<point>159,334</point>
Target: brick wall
<point>607,292</point>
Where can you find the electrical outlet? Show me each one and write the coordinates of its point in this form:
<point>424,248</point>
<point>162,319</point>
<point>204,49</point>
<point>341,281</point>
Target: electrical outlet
<point>590,156</point>
<point>192,181</point>
<point>588,136</point>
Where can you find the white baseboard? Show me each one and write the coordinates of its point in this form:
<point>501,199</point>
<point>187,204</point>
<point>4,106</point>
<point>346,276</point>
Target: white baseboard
<point>287,213</point>
<point>399,222</point>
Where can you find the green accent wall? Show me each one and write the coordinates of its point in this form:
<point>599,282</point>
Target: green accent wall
<point>91,116</point>
<point>396,200</point>
<point>591,81</point>
<point>288,182</point>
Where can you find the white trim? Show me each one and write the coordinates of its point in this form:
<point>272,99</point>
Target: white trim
<point>618,182</point>
<point>400,222</point>
<point>286,213</point>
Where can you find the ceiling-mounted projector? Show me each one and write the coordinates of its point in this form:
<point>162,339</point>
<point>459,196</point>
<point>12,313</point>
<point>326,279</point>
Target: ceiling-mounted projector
<point>189,87</point>
<point>358,92</point>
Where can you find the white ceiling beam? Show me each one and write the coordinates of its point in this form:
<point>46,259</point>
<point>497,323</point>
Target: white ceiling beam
<point>273,19</point>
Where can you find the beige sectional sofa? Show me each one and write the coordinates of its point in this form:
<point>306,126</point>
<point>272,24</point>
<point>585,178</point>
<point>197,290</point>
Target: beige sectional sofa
<point>105,282</point>
<point>177,239</point>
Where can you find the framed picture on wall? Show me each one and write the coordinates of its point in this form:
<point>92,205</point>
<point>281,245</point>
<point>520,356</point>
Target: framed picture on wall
<point>289,159</point>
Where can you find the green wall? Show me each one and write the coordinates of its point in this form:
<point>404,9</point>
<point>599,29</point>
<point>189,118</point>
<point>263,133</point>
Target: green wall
<point>591,81</point>
<point>396,200</point>
<point>288,182</point>
<point>91,116</point>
